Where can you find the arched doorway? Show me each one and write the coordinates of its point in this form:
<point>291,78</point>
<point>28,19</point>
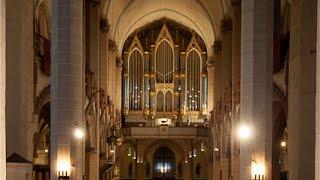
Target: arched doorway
<point>163,164</point>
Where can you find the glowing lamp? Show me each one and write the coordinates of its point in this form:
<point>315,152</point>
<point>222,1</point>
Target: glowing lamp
<point>283,144</point>
<point>194,153</point>
<point>190,154</point>
<point>63,169</point>
<point>258,171</point>
<point>202,147</point>
<point>78,133</point>
<point>244,132</point>
<point>216,149</point>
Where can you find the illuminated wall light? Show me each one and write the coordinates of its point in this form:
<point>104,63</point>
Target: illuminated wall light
<point>186,160</point>
<point>46,150</point>
<point>202,147</point>
<point>63,168</point>
<point>194,153</point>
<point>78,133</point>
<point>129,151</point>
<point>258,171</point>
<point>216,149</point>
<point>244,132</point>
<point>112,148</point>
<point>283,144</point>
<point>190,154</point>
<point>134,155</point>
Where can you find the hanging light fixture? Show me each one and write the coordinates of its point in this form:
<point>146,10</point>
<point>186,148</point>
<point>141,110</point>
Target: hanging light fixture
<point>194,152</point>
<point>129,151</point>
<point>190,154</point>
<point>202,147</point>
<point>134,155</point>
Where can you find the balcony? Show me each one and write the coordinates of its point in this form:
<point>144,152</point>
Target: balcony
<point>166,132</point>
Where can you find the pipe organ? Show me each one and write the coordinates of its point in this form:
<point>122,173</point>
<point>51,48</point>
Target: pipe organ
<point>164,79</point>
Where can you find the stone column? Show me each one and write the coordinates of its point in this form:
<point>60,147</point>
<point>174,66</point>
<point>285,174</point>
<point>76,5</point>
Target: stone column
<point>256,85</point>
<point>93,61</point>
<point>217,99</point>
<point>236,60</point>
<point>226,80</point>
<point>67,87</point>
<point>317,153</point>
<point>210,70</point>
<point>217,71</point>
<point>2,88</point>
<point>302,90</point>
<point>226,35</point>
<point>19,78</point>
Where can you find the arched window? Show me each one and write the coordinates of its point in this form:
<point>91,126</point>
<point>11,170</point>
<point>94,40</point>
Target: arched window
<point>164,63</point>
<point>193,80</point>
<point>135,80</point>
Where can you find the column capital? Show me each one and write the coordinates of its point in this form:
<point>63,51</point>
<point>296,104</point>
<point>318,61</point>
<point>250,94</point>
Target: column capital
<point>236,3</point>
<point>112,45</point>
<point>104,25</point>
<point>226,25</point>
<point>210,63</point>
<point>217,46</point>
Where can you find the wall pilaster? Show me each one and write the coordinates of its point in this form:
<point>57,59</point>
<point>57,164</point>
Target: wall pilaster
<point>67,87</point>
<point>256,86</point>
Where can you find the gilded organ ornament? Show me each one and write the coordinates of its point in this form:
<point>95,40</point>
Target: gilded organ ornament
<point>164,78</point>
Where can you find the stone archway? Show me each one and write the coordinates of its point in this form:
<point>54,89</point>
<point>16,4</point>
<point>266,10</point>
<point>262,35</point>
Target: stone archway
<point>164,164</point>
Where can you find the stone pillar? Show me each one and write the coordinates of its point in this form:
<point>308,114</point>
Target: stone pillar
<point>302,90</point>
<point>67,87</point>
<point>2,88</point>
<point>236,63</point>
<point>118,83</point>
<point>93,61</point>
<point>217,99</point>
<point>19,78</point>
<point>210,70</point>
<point>226,35</point>
<point>256,85</point>
<point>217,71</point>
<point>317,153</point>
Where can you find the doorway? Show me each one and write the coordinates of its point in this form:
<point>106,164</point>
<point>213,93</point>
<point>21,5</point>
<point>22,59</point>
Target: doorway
<point>163,164</point>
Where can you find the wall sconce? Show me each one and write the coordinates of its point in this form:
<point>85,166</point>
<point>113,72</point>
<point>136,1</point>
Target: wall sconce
<point>202,147</point>
<point>194,153</point>
<point>129,151</point>
<point>283,144</point>
<point>190,154</point>
<point>244,132</point>
<point>112,148</point>
<point>258,171</point>
<point>216,149</point>
<point>63,170</point>
<point>140,159</point>
<point>78,133</point>
<point>134,155</point>
<point>186,160</point>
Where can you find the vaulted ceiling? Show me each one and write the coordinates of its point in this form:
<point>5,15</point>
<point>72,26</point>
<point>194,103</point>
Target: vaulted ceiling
<point>203,16</point>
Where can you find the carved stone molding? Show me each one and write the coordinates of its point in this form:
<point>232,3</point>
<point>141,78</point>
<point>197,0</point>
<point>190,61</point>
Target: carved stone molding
<point>104,25</point>
<point>226,25</point>
<point>42,99</point>
<point>217,46</point>
<point>236,3</point>
<point>112,45</point>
